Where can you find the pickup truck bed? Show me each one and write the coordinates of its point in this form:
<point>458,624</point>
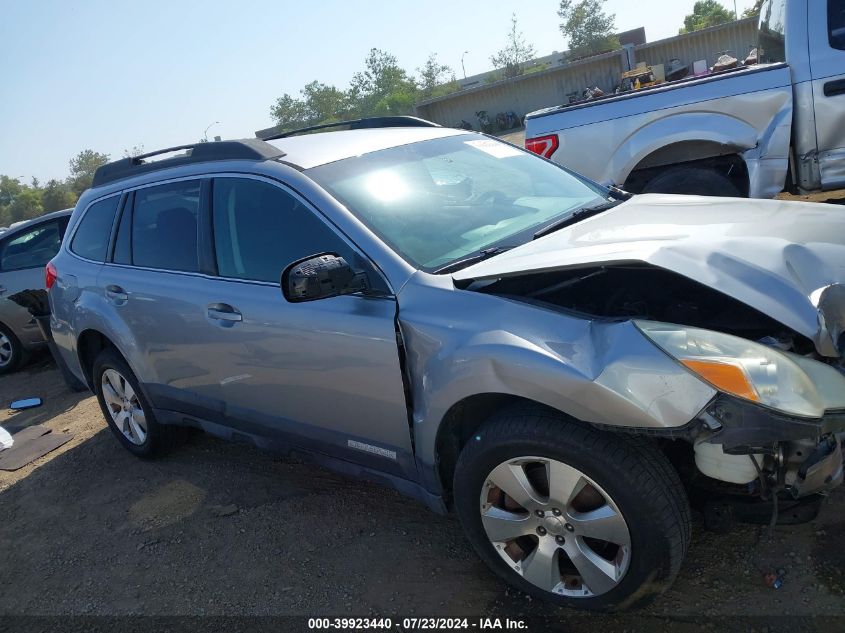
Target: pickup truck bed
<point>746,112</point>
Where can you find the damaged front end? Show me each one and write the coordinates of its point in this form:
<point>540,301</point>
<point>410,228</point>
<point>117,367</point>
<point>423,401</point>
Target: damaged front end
<point>771,438</point>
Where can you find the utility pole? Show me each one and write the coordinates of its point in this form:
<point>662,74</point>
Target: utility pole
<point>462,64</point>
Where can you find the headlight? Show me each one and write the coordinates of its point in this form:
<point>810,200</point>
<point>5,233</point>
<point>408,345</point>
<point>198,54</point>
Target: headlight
<point>734,365</point>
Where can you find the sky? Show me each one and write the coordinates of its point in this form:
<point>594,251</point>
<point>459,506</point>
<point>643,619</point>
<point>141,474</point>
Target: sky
<point>110,75</point>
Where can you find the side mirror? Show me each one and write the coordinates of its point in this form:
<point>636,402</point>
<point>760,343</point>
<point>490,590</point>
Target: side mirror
<point>321,277</point>
<point>26,403</point>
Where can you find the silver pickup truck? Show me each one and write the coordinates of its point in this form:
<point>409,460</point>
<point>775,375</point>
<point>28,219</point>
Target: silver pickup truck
<point>751,132</point>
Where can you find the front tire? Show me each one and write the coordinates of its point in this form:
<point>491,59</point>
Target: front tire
<point>570,514</point>
<point>127,412</point>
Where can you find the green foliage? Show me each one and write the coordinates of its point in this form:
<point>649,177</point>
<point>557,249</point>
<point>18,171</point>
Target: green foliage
<point>9,190</point>
<point>515,53</point>
<point>436,79</point>
<point>56,196</point>
<point>23,202</point>
<point>706,13</point>
<point>753,10</point>
<point>82,168</point>
<point>382,88</point>
<point>26,205</point>
<point>587,27</point>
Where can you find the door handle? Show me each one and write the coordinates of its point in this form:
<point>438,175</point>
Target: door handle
<point>2,290</point>
<point>833,88</point>
<point>224,312</point>
<point>116,294</point>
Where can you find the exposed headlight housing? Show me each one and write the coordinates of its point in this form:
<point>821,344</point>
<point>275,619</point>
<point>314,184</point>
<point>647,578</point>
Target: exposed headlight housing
<point>780,380</point>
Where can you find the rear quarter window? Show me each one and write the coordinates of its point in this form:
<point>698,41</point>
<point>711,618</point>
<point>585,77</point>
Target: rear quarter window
<point>91,239</point>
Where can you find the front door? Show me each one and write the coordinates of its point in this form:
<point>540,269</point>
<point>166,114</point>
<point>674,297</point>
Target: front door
<point>827,46</point>
<point>323,374</point>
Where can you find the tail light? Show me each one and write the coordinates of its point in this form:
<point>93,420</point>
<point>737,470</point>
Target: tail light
<point>545,146</point>
<point>51,274</point>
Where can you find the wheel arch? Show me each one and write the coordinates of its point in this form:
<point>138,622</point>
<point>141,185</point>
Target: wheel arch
<point>89,344</point>
<point>684,137</point>
<point>463,419</point>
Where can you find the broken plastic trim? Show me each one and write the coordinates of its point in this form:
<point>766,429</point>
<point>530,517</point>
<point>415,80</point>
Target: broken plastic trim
<point>751,427</point>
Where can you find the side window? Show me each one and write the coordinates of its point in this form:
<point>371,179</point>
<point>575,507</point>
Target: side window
<point>91,239</point>
<point>771,37</point>
<point>836,23</point>
<point>259,229</point>
<point>33,248</point>
<point>164,227</point>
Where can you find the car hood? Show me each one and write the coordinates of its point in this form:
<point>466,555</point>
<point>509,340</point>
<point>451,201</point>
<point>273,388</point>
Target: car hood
<point>785,259</point>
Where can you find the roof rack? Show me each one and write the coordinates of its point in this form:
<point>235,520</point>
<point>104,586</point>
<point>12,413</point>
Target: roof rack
<point>277,131</point>
<point>244,149</point>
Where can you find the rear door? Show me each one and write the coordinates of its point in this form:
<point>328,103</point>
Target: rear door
<point>324,375</point>
<point>827,60</point>
<point>155,300</point>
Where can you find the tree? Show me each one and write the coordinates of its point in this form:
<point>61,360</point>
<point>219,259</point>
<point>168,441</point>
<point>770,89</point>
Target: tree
<point>515,53</point>
<point>323,102</point>
<point>56,196</point>
<point>587,27</point>
<point>706,13</point>
<point>136,150</point>
<point>751,11</point>
<point>82,168</point>
<point>289,112</point>
<point>383,88</point>
<point>26,205</point>
<point>435,78</point>
<point>9,190</point>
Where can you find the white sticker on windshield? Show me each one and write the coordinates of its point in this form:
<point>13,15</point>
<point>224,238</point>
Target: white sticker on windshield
<point>494,148</point>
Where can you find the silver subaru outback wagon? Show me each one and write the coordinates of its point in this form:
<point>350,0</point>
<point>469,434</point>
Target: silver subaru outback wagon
<point>566,367</point>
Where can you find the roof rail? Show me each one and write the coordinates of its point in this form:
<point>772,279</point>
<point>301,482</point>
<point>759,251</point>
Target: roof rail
<point>278,131</point>
<point>244,149</point>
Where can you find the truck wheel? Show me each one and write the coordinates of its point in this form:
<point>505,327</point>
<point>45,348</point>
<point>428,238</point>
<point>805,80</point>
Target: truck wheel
<point>570,514</point>
<point>127,412</point>
<point>693,181</point>
<point>12,353</point>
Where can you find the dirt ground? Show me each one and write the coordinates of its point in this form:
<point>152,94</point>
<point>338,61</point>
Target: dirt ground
<point>217,528</point>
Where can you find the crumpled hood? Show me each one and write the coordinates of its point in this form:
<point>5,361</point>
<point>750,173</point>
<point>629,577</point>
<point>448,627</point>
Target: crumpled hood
<point>786,259</point>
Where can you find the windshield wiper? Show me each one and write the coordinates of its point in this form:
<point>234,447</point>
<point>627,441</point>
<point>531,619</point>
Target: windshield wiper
<point>484,253</point>
<point>576,216</point>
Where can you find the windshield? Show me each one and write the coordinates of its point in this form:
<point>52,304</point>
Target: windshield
<point>437,201</point>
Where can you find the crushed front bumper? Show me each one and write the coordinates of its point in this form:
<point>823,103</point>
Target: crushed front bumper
<point>802,455</point>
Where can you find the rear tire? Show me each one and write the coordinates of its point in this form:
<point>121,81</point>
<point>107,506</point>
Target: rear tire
<point>620,479</point>
<point>12,353</point>
<point>696,181</point>
<point>126,410</point>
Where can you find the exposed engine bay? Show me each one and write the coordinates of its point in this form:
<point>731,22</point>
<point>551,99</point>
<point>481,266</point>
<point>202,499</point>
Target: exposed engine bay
<point>647,292</point>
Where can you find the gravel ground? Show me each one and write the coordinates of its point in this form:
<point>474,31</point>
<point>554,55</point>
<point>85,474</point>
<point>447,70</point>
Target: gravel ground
<point>225,529</point>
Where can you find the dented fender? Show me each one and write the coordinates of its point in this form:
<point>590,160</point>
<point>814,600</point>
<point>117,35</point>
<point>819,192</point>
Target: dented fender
<point>460,343</point>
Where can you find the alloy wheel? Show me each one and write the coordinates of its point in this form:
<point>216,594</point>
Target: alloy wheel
<point>123,405</point>
<point>555,527</point>
<point>6,350</point>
